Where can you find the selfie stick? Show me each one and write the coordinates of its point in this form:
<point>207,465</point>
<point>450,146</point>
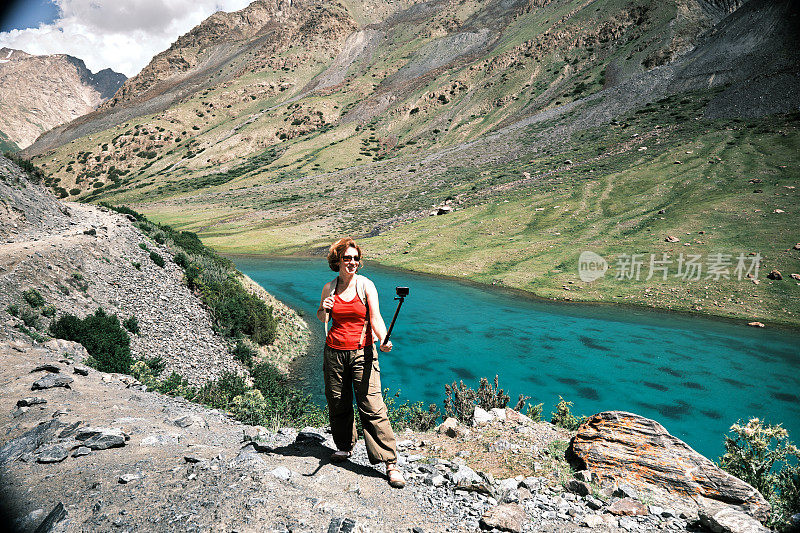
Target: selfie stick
<point>402,292</point>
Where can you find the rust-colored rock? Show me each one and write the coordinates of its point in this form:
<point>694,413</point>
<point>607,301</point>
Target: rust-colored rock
<point>625,446</point>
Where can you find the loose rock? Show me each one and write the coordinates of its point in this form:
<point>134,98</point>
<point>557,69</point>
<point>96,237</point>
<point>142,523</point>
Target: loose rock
<point>627,507</point>
<point>505,517</point>
<point>53,454</point>
<point>52,380</point>
<point>47,367</point>
<point>101,438</point>
<point>33,400</point>
<point>639,451</point>
<point>727,520</point>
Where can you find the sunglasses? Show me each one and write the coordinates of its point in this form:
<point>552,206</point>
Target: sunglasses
<point>348,258</point>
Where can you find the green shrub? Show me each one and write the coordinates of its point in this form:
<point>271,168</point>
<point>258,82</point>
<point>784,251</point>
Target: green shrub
<point>251,408</point>
<point>103,337</point>
<point>49,311</point>
<point>491,397</point>
<point>460,400</point>
<point>157,259</point>
<point>137,265</point>
<point>33,297</point>
<point>156,364</point>
<point>175,385</point>
<point>534,412</point>
<point>131,324</point>
<point>13,310</point>
<point>63,289</point>
<point>143,246</point>
<point>564,418</point>
<point>33,334</point>
<point>35,174</point>
<point>763,456</point>
<point>29,317</point>
<point>181,260</point>
<point>285,405</point>
<point>244,353</point>
<point>410,415</point>
<point>219,394</point>
<point>237,312</point>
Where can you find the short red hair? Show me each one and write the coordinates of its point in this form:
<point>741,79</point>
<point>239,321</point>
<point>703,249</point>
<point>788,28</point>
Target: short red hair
<point>337,250</point>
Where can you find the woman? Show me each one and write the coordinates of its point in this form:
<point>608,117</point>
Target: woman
<point>350,363</point>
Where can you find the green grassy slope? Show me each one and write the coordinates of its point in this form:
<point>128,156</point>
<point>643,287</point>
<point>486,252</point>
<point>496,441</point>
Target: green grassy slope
<point>257,164</point>
<point>694,181</point>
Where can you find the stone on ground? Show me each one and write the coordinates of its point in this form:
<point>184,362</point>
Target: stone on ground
<point>505,517</point>
<point>629,448</point>
<point>52,380</point>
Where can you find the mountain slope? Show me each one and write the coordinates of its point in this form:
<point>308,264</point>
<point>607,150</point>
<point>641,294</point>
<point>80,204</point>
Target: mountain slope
<point>466,103</point>
<point>40,92</point>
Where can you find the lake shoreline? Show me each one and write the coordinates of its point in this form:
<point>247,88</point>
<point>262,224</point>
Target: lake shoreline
<point>728,320</point>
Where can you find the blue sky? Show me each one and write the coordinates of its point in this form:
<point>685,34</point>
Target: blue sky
<point>123,35</point>
<point>24,14</point>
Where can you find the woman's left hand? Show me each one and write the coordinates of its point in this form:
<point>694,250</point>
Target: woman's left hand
<point>386,347</point>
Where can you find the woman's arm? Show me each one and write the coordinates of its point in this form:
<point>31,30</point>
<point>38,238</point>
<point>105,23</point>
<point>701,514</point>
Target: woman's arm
<point>375,318</point>
<point>325,302</point>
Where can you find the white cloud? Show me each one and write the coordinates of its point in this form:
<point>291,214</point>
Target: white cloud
<point>119,34</point>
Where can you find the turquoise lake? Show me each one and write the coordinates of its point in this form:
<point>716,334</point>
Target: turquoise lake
<point>696,376</point>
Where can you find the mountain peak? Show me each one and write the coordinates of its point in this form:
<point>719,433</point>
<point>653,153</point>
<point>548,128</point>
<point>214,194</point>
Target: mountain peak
<point>40,92</point>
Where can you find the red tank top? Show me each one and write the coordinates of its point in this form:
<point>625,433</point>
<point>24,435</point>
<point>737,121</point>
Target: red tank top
<point>347,324</point>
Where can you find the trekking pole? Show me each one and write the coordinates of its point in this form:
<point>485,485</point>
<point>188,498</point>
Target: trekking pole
<point>402,292</point>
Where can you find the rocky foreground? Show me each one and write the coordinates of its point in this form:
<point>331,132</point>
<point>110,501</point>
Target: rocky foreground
<point>82,450</point>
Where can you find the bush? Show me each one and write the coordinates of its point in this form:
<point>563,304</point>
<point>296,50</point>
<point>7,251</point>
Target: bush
<point>410,415</point>
<point>219,394</point>
<point>460,400</point>
<point>131,324</point>
<point>237,312</point>
<point>33,297</point>
<point>181,260</point>
<point>35,174</point>
<point>13,310</point>
<point>137,265</point>
<point>157,259</point>
<point>244,354</point>
<point>103,337</point>
<point>285,405</point>
<point>564,418</point>
<point>251,408</point>
<point>763,456</point>
<point>29,317</point>
<point>491,397</point>
<point>155,364</point>
<point>49,311</point>
<point>175,385</point>
<point>534,412</point>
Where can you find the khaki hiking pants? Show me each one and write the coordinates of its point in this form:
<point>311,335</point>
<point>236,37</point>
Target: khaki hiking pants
<point>346,371</point>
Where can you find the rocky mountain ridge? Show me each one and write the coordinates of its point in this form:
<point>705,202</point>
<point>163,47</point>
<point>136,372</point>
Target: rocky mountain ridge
<point>38,93</point>
<point>83,449</point>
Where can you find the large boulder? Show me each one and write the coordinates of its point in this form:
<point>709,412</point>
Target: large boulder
<point>625,447</point>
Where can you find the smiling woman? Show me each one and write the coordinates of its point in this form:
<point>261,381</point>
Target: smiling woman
<point>350,363</point>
